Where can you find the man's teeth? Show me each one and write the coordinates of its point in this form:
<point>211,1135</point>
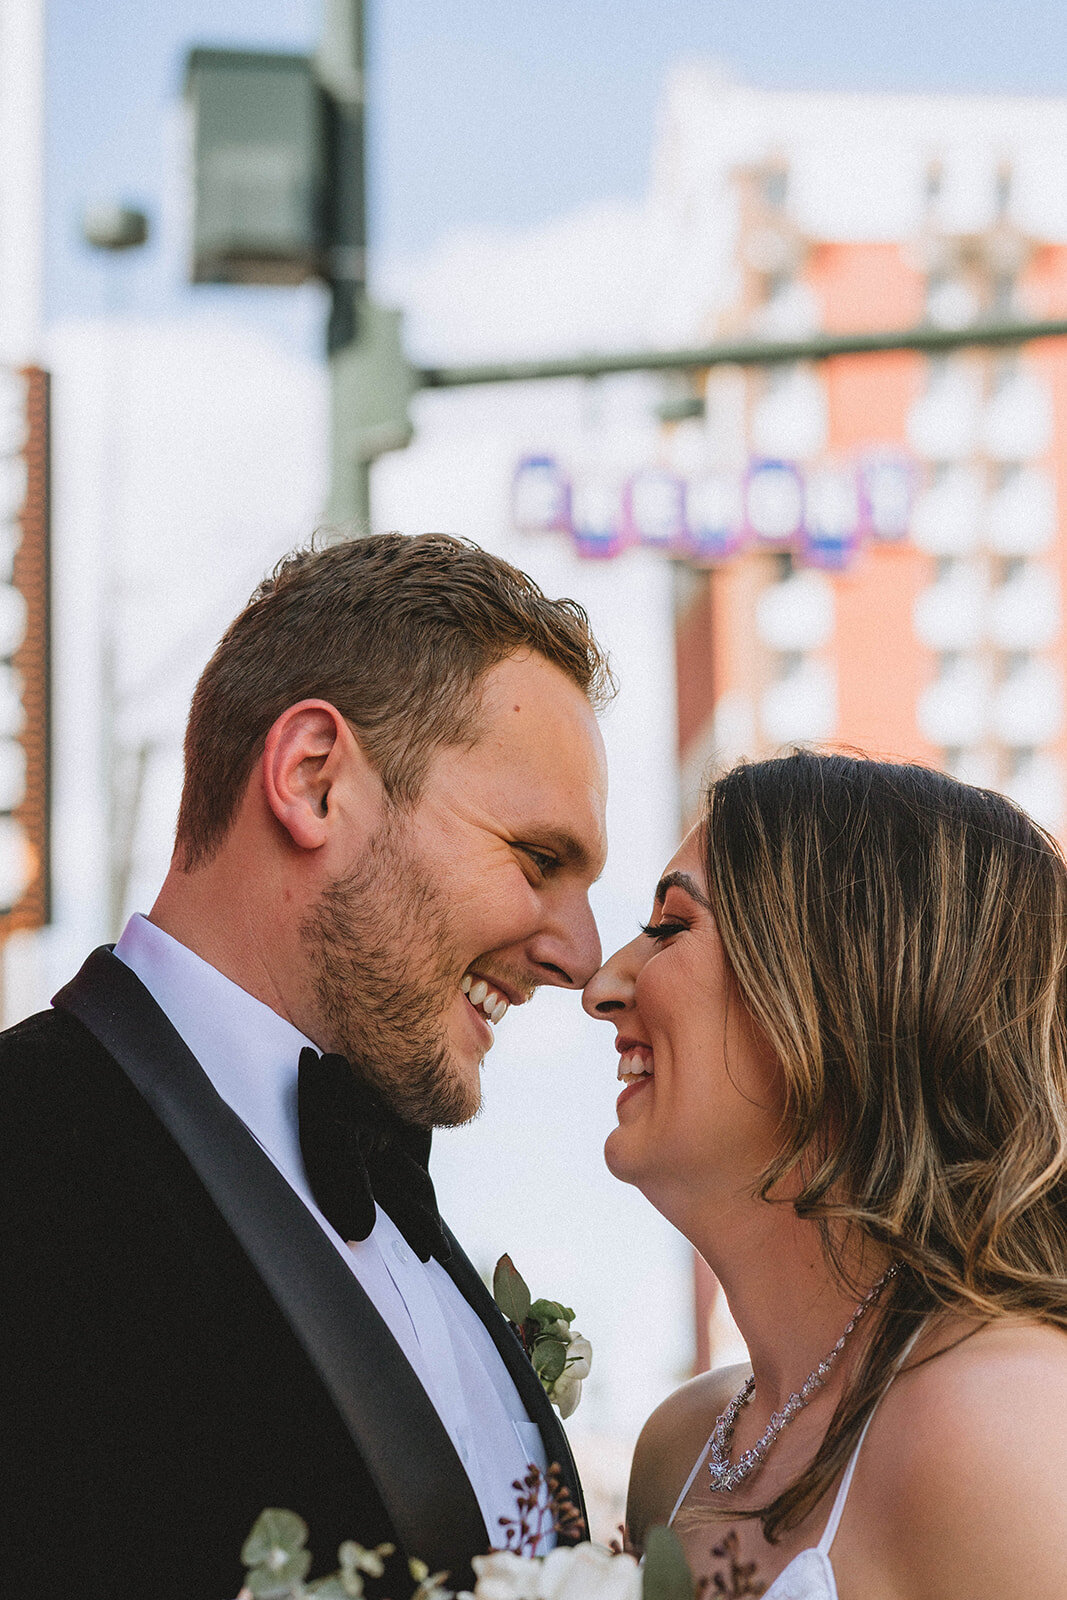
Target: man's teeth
<point>492,1005</point>
<point>633,1065</point>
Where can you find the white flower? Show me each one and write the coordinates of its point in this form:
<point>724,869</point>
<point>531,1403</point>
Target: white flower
<point>565,1394</point>
<point>589,1572</point>
<point>554,1569</point>
<point>503,1575</point>
<point>579,1357</point>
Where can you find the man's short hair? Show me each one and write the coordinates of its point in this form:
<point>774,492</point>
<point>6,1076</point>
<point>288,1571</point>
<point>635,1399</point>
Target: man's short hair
<point>394,631</point>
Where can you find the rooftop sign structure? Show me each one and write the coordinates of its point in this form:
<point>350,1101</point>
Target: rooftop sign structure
<point>25,767</point>
<point>821,514</point>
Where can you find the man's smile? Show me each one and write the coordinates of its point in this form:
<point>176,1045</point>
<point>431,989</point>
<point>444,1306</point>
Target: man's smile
<point>493,1005</point>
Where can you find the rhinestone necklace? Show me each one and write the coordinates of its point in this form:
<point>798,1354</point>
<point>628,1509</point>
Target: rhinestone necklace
<point>725,1474</point>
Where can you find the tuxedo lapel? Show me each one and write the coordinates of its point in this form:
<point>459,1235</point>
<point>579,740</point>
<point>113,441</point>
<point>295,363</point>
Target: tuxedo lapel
<point>391,1420</point>
<point>520,1367</point>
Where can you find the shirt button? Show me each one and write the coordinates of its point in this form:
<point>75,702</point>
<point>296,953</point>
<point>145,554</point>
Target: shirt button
<point>398,1250</point>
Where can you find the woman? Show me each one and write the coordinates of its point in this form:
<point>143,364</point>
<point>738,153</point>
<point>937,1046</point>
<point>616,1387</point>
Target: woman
<point>843,1037</point>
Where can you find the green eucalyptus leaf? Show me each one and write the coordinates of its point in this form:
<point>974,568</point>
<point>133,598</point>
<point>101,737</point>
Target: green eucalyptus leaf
<point>666,1574</point>
<point>331,1588</point>
<point>551,1311</point>
<point>549,1359</point>
<point>510,1291</point>
<point>274,1534</point>
<point>280,1578</point>
<point>354,1558</point>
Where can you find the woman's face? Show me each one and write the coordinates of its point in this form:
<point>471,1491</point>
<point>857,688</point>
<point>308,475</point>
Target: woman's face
<point>701,1092</point>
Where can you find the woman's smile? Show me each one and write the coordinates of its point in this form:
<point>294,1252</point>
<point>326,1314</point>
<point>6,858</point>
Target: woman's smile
<point>635,1064</point>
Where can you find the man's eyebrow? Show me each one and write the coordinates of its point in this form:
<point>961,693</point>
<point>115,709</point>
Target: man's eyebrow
<point>683,881</point>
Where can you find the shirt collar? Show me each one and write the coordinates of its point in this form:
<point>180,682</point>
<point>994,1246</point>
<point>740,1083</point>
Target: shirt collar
<point>249,1052</point>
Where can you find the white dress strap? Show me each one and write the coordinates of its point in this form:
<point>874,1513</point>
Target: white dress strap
<point>700,1460</point>
<point>836,1510</point>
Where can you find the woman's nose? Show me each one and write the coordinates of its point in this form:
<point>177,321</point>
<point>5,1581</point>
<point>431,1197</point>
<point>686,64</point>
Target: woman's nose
<point>611,989</point>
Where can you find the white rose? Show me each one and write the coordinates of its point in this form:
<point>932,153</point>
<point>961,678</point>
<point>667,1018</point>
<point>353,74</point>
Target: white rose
<point>589,1572</point>
<point>554,1569</point>
<point>566,1393</point>
<point>579,1357</point>
<point>503,1575</point>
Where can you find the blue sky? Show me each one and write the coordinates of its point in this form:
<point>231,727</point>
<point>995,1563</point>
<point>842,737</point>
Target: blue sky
<point>485,112</point>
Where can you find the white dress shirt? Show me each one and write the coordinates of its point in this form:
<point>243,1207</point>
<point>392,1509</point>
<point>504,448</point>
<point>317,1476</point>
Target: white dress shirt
<point>251,1055</point>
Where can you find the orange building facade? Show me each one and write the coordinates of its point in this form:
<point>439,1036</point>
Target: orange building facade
<point>942,641</point>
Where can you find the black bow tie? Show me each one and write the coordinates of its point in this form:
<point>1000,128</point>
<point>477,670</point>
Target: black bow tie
<point>357,1151</point>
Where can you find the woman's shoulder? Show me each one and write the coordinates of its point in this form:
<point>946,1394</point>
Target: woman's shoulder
<point>670,1442</point>
<point>968,1381</point>
<point>967,1458</point>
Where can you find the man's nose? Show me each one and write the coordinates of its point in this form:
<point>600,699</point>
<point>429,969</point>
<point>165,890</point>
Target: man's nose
<point>569,954</point>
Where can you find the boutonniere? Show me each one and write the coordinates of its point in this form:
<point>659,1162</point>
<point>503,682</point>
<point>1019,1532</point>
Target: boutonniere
<point>561,1358</point>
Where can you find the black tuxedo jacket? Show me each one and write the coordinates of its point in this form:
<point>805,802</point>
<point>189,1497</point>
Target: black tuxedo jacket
<point>180,1344</point>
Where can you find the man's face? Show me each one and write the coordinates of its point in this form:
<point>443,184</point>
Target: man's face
<point>478,891</point>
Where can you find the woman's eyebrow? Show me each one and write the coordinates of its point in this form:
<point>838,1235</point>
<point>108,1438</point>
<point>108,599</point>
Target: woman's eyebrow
<point>681,880</point>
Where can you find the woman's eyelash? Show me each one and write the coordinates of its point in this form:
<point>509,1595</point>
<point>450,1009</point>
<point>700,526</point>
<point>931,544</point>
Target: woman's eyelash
<point>662,930</point>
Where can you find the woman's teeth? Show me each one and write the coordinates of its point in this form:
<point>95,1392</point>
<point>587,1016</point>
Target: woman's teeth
<point>483,999</point>
<point>635,1064</point>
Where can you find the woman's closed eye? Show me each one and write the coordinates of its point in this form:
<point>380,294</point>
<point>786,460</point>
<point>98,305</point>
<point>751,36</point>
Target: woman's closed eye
<point>662,930</point>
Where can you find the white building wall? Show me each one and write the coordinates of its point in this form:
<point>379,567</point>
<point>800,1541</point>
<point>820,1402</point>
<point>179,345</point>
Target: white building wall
<point>21,167</point>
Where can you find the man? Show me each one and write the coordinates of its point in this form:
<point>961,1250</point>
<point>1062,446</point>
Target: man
<point>226,1288</point>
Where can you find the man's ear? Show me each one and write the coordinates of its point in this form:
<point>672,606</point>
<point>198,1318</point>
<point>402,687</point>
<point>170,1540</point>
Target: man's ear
<point>309,750</point>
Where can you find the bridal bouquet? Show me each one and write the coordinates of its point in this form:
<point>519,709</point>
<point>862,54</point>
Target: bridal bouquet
<point>277,1560</point>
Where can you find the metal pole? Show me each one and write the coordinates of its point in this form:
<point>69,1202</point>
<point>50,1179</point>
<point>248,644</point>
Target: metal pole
<point>340,66</point>
<point>115,231</point>
<point>747,353</point>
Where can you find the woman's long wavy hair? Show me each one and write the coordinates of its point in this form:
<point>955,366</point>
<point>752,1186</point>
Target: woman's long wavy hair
<point>901,940</point>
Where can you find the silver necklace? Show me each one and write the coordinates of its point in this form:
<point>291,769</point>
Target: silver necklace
<point>725,1474</point>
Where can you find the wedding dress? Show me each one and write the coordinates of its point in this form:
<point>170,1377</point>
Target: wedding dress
<point>810,1575</point>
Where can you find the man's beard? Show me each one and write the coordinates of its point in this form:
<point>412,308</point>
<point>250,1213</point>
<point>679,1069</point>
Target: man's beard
<point>385,977</point>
